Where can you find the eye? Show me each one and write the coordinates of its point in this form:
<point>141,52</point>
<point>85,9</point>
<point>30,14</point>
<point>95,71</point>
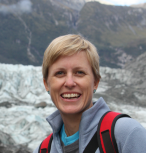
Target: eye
<point>59,73</point>
<point>81,73</point>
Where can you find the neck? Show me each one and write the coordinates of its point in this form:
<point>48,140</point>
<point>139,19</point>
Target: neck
<point>71,123</point>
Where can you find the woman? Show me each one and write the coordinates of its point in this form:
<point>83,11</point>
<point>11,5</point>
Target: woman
<point>71,76</point>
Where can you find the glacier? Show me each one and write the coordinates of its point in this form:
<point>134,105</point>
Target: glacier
<point>21,89</point>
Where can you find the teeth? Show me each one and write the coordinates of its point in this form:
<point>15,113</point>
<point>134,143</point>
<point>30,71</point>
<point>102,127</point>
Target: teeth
<point>70,95</point>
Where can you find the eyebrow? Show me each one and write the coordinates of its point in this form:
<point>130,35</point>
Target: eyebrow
<point>63,68</point>
<point>79,67</point>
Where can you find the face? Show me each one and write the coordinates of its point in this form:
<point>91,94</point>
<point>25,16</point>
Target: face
<point>71,83</point>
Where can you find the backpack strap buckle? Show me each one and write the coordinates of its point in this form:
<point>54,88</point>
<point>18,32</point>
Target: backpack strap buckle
<point>44,150</point>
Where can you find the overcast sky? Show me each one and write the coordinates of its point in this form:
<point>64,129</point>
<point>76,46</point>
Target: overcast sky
<point>126,2</point>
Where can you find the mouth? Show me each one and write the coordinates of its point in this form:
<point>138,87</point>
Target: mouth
<point>70,96</point>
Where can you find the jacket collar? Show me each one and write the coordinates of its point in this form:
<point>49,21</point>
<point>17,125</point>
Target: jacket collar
<point>89,119</point>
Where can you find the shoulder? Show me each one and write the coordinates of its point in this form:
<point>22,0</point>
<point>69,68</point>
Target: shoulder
<point>127,125</point>
<point>130,136</point>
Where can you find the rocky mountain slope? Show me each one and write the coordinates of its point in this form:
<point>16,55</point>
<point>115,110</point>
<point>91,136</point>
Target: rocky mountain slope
<point>142,5</point>
<point>100,1</point>
<point>118,32</point>
<point>28,26</point>
<point>127,85</point>
<point>26,33</point>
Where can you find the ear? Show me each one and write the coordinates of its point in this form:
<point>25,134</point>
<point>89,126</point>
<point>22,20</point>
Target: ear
<point>96,83</point>
<point>45,84</point>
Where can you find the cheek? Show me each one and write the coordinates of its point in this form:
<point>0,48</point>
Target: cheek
<point>89,84</point>
<point>54,84</point>
<point>55,89</point>
<point>54,98</point>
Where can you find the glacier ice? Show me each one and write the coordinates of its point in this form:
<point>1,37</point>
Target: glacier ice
<point>22,87</point>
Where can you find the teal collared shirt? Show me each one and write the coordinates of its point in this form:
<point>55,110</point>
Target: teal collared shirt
<point>68,140</point>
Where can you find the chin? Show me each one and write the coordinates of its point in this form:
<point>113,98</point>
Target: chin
<point>72,111</point>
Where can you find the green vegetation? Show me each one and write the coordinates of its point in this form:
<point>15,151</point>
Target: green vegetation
<point>111,27</point>
<point>108,27</point>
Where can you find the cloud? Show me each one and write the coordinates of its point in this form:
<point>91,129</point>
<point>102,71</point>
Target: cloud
<point>126,2</point>
<point>23,6</point>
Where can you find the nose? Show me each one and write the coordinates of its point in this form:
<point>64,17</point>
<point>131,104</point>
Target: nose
<point>69,81</point>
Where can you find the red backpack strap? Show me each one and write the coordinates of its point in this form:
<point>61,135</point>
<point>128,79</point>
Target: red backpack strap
<point>45,146</point>
<point>105,132</point>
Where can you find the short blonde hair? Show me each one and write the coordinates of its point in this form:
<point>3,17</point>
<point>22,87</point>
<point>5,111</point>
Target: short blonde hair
<point>68,45</point>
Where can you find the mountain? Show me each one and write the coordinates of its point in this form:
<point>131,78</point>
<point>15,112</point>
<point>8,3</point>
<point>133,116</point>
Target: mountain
<point>138,71</point>
<point>142,5</point>
<point>118,32</point>
<point>28,26</point>
<point>26,33</point>
<point>100,1</point>
<point>126,85</point>
<point>67,4</point>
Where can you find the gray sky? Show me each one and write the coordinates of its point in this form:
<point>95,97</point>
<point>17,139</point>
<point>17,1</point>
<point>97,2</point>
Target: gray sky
<point>126,2</point>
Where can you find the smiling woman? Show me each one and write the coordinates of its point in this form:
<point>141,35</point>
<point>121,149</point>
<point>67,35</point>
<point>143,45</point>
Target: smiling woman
<point>71,84</point>
<point>71,75</point>
<point>67,73</point>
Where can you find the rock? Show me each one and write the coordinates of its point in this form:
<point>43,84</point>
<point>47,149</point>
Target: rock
<point>14,149</point>
<point>5,104</point>
<point>6,139</point>
<point>126,86</point>
<point>7,145</point>
<point>41,104</point>
<point>137,67</point>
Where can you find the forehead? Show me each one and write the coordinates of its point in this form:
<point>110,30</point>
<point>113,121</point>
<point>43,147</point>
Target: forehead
<point>78,59</point>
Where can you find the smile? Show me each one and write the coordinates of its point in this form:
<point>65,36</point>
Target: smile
<point>70,96</point>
